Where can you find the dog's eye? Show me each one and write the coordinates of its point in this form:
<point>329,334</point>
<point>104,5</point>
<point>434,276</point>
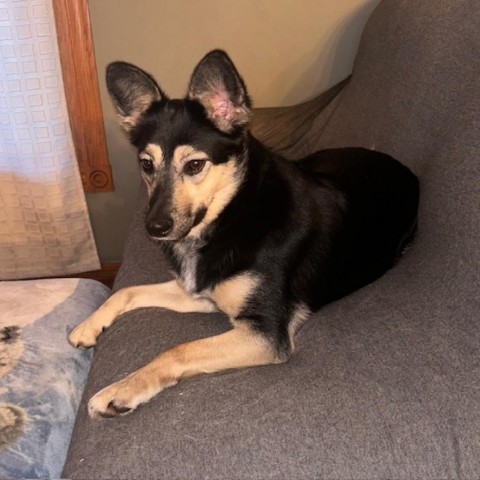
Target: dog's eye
<point>147,166</point>
<point>194,166</point>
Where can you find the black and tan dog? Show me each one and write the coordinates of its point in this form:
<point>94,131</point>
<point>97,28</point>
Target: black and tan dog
<point>262,239</point>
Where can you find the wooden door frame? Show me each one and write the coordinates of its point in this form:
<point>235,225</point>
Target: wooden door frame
<point>75,43</point>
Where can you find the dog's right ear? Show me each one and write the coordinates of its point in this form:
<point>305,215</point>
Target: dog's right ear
<point>132,91</point>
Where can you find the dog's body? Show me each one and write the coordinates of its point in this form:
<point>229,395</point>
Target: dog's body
<point>264,240</point>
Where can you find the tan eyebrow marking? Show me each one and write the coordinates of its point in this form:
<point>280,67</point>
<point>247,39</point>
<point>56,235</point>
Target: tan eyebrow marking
<point>183,153</point>
<point>152,152</point>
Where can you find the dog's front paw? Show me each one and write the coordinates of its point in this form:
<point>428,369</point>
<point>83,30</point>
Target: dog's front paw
<point>111,402</point>
<point>122,397</point>
<point>84,335</point>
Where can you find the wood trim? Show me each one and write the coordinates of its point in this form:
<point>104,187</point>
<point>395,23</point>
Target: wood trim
<point>106,274</point>
<point>77,57</point>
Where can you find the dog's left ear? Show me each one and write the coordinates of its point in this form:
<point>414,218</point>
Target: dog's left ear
<point>217,85</point>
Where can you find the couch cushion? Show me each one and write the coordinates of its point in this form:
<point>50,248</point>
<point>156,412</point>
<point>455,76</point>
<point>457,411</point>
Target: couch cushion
<point>384,383</point>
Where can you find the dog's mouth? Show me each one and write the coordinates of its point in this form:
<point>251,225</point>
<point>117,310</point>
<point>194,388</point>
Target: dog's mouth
<point>169,239</point>
<point>177,230</point>
<point>199,216</point>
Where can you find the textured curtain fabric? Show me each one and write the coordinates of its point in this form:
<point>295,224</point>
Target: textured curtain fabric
<point>44,225</point>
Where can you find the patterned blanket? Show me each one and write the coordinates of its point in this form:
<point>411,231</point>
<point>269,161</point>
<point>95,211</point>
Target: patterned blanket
<point>41,376</point>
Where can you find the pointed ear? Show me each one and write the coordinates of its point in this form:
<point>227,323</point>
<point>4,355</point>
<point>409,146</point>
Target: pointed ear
<point>216,84</point>
<point>132,91</point>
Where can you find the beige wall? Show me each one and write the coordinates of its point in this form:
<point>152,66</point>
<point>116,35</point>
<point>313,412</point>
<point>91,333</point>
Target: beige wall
<point>287,51</point>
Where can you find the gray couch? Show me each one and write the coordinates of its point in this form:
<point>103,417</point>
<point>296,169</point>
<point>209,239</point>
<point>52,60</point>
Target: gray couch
<point>386,382</point>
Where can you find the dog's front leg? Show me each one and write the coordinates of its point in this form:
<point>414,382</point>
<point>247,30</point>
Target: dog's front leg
<point>237,348</point>
<point>167,295</point>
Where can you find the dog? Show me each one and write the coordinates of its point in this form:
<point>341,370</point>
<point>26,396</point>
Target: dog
<point>265,240</point>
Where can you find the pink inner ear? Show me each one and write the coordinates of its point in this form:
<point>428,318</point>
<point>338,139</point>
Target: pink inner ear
<point>221,105</point>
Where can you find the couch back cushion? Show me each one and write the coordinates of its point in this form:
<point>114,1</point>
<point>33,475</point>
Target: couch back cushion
<point>414,94</point>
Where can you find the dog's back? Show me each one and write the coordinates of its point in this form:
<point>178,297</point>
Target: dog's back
<point>378,200</point>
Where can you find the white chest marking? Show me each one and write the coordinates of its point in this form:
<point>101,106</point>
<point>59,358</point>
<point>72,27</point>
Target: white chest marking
<point>188,259</point>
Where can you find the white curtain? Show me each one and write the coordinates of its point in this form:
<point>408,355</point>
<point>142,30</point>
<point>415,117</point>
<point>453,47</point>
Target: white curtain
<point>44,225</point>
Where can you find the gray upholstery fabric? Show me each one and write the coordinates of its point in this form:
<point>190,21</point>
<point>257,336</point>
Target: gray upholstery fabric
<point>386,382</point>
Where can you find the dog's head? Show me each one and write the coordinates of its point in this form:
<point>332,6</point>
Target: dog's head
<point>190,151</point>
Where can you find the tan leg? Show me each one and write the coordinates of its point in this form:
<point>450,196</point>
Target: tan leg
<point>237,348</point>
<point>167,295</point>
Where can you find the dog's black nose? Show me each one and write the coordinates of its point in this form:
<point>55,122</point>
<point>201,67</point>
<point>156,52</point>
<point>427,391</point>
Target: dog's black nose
<point>159,230</point>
